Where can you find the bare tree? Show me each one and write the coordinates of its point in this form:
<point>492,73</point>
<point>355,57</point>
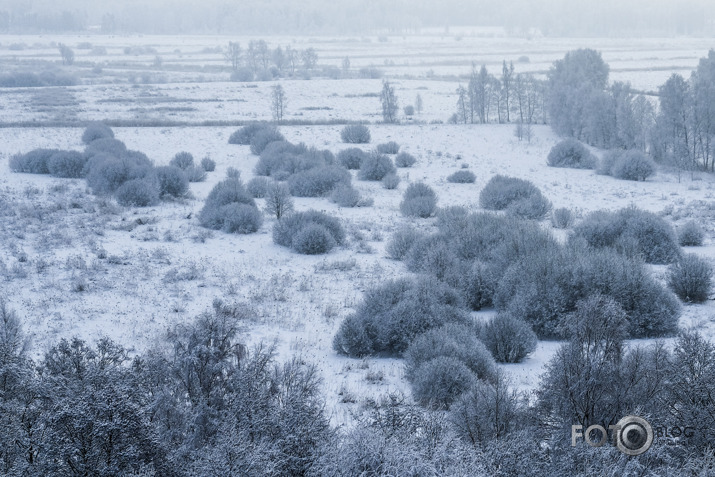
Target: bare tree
<point>346,66</point>
<point>292,58</point>
<point>66,53</point>
<point>310,58</point>
<point>263,54</point>
<point>279,59</point>
<point>418,103</point>
<point>388,98</point>
<point>233,54</point>
<point>278,102</point>
<point>462,105</point>
<point>507,77</point>
<point>278,200</point>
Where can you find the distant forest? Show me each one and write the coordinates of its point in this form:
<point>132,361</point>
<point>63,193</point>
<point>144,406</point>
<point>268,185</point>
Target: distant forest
<point>575,18</point>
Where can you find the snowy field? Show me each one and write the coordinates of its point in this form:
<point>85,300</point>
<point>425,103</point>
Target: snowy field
<point>76,264</point>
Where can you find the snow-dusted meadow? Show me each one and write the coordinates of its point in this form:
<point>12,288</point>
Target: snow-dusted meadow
<point>76,264</point>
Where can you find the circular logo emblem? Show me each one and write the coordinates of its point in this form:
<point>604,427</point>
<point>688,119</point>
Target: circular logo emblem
<point>634,435</point>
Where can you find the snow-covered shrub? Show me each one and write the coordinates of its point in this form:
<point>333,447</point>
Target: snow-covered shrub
<point>289,227</point>
<point>68,164</point>
<point>351,158</point>
<point>653,238</point>
<point>405,159</point>
<point>439,382</point>
<point>233,173</point>
<point>32,162</point>
<point>280,159</point>
<point>571,153</point>
<point>609,159</point>
<point>172,181</point>
<point>258,187</point>
<point>534,207</point>
<point>454,341</point>
<point>264,137</point>
<point>208,164</point>
<point>195,173</point>
<point>228,191</point>
<point>109,145</point>
<point>106,173</point>
<point>691,234</point>
<point>633,166</point>
<point>243,74</point>
<point>240,218</point>
<point>431,254</point>
<point>278,200</point>
<point>390,181</point>
<point>390,147</point>
<point>509,339</point>
<point>313,239</point>
<point>394,313</point>
<point>138,193</point>
<point>562,218</point>
<point>183,160</point>
<point>244,135</point>
<point>691,278</point>
<point>502,191</point>
<point>462,177</point>
<point>318,181</point>
<point>401,242</point>
<point>419,200</point>
<point>96,131</point>
<point>345,196</point>
<point>476,281</point>
<point>355,134</point>
<point>375,166</point>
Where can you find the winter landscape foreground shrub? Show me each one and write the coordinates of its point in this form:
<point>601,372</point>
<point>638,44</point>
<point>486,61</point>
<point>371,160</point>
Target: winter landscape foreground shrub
<point>310,232</point>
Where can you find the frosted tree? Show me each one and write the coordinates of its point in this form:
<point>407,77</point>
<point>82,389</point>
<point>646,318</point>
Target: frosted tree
<point>388,99</point>
<point>66,53</point>
<point>278,102</point>
<point>233,54</point>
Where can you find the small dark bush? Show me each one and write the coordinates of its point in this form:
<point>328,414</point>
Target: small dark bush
<point>633,166</point>
<point>462,177</point>
<point>419,200</point>
<point>183,160</point>
<point>138,193</point>
<point>67,164</point>
<point>33,162</point>
<point>534,207</point>
<point>195,173</point>
<point>439,382</point>
<point>571,153</point>
<point>691,278</point>
<point>258,187</point>
<point>264,137</point>
<point>405,159</point>
<point>390,147</point>
<point>351,158</point>
<point>375,166</point>
<point>226,192</point>
<point>402,241</point>
<point>345,196</point>
<point>172,181</point>
<point>240,218</point>
<point>96,131</point>
<point>509,339</point>
<point>355,134</point>
<point>562,218</point>
<point>244,135</point>
<point>318,182</point>
<point>502,191</point>
<point>289,227</point>
<point>313,239</point>
<point>691,234</point>
<point>111,146</point>
<point>390,181</point>
<point>208,164</point>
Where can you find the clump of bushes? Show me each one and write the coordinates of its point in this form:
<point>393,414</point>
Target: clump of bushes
<point>318,181</point>
<point>509,339</point>
<point>109,145</point>
<point>96,131</point>
<point>631,229</point>
<point>32,162</point>
<point>402,241</point>
<point>627,165</point>
<point>533,207</point>
<point>220,211</point>
<point>419,200</point>
<point>355,134</point>
<point>351,158</point>
<point>390,181</point>
<point>240,218</point>
<point>309,232</point>
<point>562,218</point>
<point>106,172</point>
<point>244,135</point>
<point>439,382</point>
<point>195,174</point>
<point>571,153</point>
<point>375,166</point>
<point>183,160</point>
<point>390,147</point>
<point>67,164</point>
<point>138,193</point>
<point>172,181</point>
<point>691,234</point>
<point>258,187</point>
<point>281,159</point>
<point>405,159</point>
<point>346,196</point>
<point>208,164</point>
<point>501,192</point>
<point>391,315</point>
<point>691,278</point>
<point>264,137</point>
<point>462,177</point>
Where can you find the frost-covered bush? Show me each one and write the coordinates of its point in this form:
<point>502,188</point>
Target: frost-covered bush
<point>240,218</point>
<point>96,131</point>
<point>345,196</point>
<point>402,241</point>
<point>106,173</point>
<point>390,147</point>
<point>183,160</point>
<point>355,134</point>
<point>244,135</point>
<point>391,315</point>
<point>534,207</point>
<point>67,164</point>
<point>502,191</point>
<point>633,166</point>
<point>318,181</point>
<point>405,159</point>
<point>609,159</point>
<point>432,254</point>
<point>32,162</point>
<point>138,193</point>
<point>390,181</point>
<point>691,234</point>
<point>562,218</point>
<point>289,227</point>
<point>258,187</point>
<point>419,200</point>
<point>109,145</point>
<point>691,278</point>
<point>229,191</point>
<point>651,236</point>
<point>195,173</point>
<point>571,153</point>
<point>351,158</point>
<point>233,173</point>
<point>208,164</point>
<point>462,177</point>
<point>172,181</point>
<point>313,239</point>
<point>454,341</point>
<point>264,137</point>
<point>476,281</point>
<point>280,159</point>
<point>375,166</point>
<point>509,339</point>
<point>439,382</point>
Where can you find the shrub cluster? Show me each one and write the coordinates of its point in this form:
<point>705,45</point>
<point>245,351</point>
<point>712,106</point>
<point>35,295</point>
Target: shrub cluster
<point>67,164</point>
<point>691,278</point>
<point>318,181</point>
<point>691,234</point>
<point>258,187</point>
<point>183,160</point>
<point>172,181</point>
<point>32,162</point>
<point>138,193</point>
<point>390,181</point>
<point>96,131</point>
<point>501,192</point>
<point>309,232</point>
<point>355,134</point>
<point>223,209</point>
<point>628,165</point>
<point>208,164</point>
<point>351,158</point>
<point>571,153</point>
<point>390,147</point>
<point>462,177</point>
<point>245,134</point>
<point>562,218</point>
<point>405,159</point>
<point>509,339</point>
<point>419,200</point>
<point>375,167</point>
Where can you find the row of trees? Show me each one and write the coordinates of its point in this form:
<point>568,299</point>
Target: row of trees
<point>258,56</point>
